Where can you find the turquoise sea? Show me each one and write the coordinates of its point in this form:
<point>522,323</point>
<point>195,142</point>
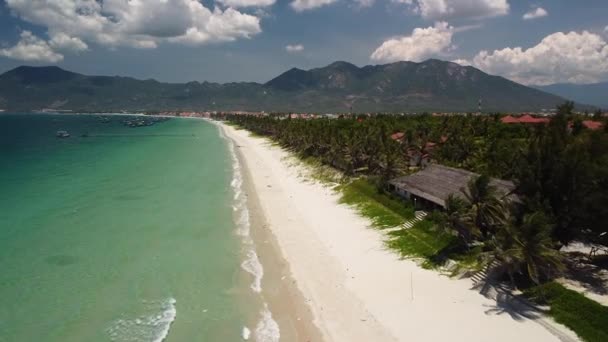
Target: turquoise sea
<point>125,234</point>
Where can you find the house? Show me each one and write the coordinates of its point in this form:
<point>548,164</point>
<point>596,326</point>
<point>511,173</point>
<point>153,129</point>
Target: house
<point>430,187</point>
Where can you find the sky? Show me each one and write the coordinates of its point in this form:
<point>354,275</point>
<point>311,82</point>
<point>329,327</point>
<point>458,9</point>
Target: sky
<point>531,42</point>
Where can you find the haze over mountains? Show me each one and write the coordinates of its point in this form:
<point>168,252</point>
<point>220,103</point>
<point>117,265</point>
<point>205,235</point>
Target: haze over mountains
<point>432,85</point>
<point>595,94</point>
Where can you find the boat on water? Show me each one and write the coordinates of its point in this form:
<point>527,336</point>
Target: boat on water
<point>63,134</point>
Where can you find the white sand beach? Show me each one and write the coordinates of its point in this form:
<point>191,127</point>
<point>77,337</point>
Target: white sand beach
<point>356,289</point>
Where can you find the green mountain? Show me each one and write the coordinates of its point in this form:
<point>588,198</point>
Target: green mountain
<point>595,94</point>
<point>432,85</point>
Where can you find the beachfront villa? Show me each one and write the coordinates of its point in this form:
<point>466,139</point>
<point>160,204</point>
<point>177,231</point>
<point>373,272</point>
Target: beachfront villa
<point>430,187</point>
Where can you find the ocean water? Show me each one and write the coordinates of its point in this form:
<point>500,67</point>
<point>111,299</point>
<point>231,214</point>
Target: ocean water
<point>127,234</point>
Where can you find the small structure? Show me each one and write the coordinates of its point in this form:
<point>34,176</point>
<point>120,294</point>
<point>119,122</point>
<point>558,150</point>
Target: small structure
<point>430,187</point>
<point>398,136</point>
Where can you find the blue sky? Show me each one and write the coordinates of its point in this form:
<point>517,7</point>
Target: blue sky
<point>255,40</point>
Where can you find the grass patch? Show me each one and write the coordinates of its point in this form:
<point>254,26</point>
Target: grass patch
<point>233,124</point>
<point>318,171</point>
<point>423,241</point>
<point>584,316</point>
<point>468,261</point>
<point>384,210</point>
<point>257,135</point>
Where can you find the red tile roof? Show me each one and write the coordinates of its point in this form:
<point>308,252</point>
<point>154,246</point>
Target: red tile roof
<point>526,119</point>
<point>509,119</point>
<point>530,119</point>
<point>592,125</point>
<point>397,136</point>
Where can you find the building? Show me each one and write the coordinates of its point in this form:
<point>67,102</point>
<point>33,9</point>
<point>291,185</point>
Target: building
<point>593,125</point>
<point>525,119</point>
<point>430,187</point>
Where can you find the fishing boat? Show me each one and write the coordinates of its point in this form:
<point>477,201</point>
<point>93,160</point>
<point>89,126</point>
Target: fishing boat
<point>63,134</point>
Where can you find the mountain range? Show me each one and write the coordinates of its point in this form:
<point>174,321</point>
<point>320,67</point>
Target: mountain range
<point>432,85</point>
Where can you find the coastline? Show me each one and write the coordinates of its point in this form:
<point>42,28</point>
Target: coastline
<point>355,289</point>
<point>264,267</point>
<point>279,289</point>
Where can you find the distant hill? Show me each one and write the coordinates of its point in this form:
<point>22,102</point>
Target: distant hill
<point>595,94</point>
<point>432,85</point>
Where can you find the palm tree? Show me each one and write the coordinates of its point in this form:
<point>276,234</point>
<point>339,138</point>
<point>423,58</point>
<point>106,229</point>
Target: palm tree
<point>455,213</point>
<point>486,209</point>
<point>525,246</point>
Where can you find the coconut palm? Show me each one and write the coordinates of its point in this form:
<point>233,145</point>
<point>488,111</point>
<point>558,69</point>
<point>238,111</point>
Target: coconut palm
<point>454,216</point>
<point>525,246</point>
<point>486,209</point>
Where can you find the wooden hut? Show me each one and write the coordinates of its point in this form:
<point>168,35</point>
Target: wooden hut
<point>430,187</point>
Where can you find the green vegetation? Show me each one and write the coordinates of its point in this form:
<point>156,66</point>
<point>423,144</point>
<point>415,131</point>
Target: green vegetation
<point>560,173</point>
<point>586,317</point>
<point>384,210</point>
<point>423,241</point>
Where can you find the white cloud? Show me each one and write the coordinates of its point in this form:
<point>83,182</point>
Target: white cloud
<point>219,26</point>
<point>294,48</point>
<point>32,49</point>
<point>62,41</point>
<point>449,9</point>
<point>463,62</point>
<point>247,3</point>
<point>539,12</point>
<point>420,45</point>
<point>136,23</point>
<point>304,5</point>
<point>365,3</point>
<point>560,57</point>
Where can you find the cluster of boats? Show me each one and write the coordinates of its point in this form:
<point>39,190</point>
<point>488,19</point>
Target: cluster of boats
<point>142,121</point>
<point>129,121</point>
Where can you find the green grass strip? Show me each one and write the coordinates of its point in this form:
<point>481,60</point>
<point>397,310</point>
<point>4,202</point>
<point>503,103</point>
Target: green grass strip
<point>584,316</point>
<point>384,211</point>
<point>423,241</point>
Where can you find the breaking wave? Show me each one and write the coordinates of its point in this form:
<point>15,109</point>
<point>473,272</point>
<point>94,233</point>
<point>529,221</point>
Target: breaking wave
<point>267,329</point>
<point>152,326</point>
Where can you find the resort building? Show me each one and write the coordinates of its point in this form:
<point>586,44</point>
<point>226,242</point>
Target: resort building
<point>430,187</point>
<point>525,119</point>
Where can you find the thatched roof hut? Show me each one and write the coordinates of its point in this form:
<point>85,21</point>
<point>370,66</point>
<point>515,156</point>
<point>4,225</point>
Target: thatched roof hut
<point>436,183</point>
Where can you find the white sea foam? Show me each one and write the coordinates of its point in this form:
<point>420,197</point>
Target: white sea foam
<point>253,266</point>
<point>152,326</point>
<point>246,333</point>
<point>267,329</point>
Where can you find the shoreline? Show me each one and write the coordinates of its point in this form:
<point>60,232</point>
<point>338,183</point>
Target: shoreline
<point>279,289</point>
<point>279,300</point>
<point>355,289</point>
